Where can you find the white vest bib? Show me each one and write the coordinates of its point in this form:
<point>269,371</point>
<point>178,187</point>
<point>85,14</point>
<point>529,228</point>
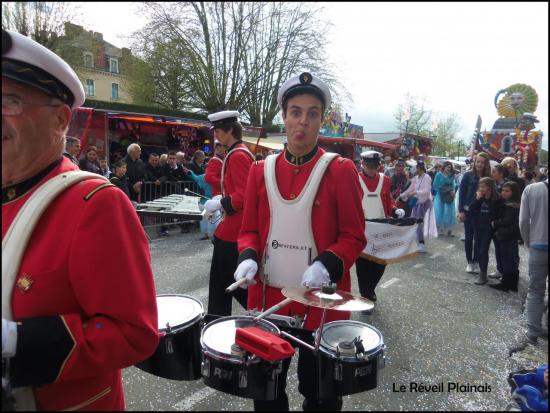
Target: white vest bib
<point>372,202</point>
<point>290,246</point>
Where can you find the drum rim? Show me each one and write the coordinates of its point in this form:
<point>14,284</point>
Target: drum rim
<point>183,326</point>
<point>218,355</point>
<point>368,353</point>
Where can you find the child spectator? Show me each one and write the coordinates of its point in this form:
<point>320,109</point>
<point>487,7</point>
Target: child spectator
<point>484,207</point>
<point>506,227</point>
<point>119,178</point>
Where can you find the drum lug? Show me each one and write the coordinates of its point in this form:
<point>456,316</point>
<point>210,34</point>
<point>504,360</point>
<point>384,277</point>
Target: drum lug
<point>169,345</point>
<point>243,379</point>
<point>382,358</point>
<point>338,371</point>
<point>276,370</point>
<point>205,367</point>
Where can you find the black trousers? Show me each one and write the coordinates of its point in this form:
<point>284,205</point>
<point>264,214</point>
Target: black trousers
<point>224,264</point>
<point>307,385</point>
<point>369,274</point>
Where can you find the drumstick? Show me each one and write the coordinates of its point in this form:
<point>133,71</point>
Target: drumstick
<point>235,285</point>
<point>271,310</point>
<point>194,193</point>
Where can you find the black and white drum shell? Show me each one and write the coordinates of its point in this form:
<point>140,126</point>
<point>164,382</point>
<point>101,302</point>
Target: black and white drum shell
<point>243,375</point>
<point>178,354</point>
<point>341,375</point>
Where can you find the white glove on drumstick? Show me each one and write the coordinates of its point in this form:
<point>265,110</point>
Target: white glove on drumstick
<point>213,204</point>
<point>9,338</point>
<point>315,276</point>
<point>246,269</point>
<point>400,213</point>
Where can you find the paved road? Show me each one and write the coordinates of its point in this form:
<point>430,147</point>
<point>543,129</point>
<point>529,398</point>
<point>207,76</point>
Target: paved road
<point>438,326</point>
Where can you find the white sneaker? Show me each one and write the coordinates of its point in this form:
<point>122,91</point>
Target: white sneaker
<point>495,274</point>
<point>476,268</point>
<point>470,268</point>
<point>421,248</point>
<point>462,238</point>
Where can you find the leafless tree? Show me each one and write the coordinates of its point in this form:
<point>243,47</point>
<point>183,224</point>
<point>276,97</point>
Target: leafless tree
<point>42,21</point>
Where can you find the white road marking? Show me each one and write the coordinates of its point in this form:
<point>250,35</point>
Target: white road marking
<point>435,256</point>
<point>450,246</point>
<point>194,398</point>
<point>389,282</point>
<point>418,265</point>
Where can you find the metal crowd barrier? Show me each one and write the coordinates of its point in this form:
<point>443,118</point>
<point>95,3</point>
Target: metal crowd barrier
<point>150,191</point>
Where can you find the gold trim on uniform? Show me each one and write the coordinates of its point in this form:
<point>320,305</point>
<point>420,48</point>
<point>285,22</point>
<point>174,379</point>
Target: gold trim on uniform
<point>96,189</point>
<point>89,401</point>
<point>70,352</point>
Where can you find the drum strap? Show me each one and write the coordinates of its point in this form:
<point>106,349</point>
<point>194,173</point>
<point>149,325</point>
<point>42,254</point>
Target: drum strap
<point>15,242</point>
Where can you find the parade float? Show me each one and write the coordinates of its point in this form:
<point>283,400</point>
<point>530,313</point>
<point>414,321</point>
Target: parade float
<point>513,133</point>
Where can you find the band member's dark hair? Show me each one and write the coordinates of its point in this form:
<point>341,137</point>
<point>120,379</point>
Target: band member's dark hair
<point>237,129</point>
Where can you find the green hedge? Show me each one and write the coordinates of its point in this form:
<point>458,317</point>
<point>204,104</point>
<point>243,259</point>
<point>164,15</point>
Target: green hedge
<point>126,107</point>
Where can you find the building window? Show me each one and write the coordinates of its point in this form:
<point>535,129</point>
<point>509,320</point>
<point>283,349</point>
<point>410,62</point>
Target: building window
<point>114,91</point>
<point>90,87</point>
<point>88,59</point>
<point>113,65</point>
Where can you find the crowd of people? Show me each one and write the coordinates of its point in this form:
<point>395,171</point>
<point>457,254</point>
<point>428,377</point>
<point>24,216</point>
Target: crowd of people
<point>67,331</point>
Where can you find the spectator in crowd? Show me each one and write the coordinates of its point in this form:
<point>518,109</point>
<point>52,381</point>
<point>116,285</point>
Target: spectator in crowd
<point>78,301</point>
<point>434,170</point>
<point>485,210</point>
<point>120,179</point>
<point>419,193</point>
<point>207,224</point>
<point>533,224</point>
<point>512,166</point>
<point>506,236</point>
<point>196,164</point>
<point>467,196</point>
<point>399,183</point>
<point>89,162</point>
<point>72,149</point>
<point>259,157</point>
<point>154,178</point>
<point>135,171</point>
<point>162,159</point>
<point>445,188</point>
<point>389,169</point>
<point>176,176</point>
<point>104,167</point>
<point>499,173</point>
<point>529,177</point>
<point>542,175</point>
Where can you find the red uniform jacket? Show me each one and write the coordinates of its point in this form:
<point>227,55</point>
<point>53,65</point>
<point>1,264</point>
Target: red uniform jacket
<point>90,309</point>
<point>213,175</point>
<point>385,193</point>
<point>337,221</point>
<point>236,170</point>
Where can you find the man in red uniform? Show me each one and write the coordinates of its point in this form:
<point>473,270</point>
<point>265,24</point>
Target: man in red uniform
<point>228,131</point>
<point>213,173</point>
<point>304,225</point>
<point>377,203</point>
<point>82,299</point>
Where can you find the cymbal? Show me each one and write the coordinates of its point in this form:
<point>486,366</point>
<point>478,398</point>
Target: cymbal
<point>339,300</point>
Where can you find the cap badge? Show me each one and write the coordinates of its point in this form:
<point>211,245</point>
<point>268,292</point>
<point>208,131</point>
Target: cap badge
<point>305,78</point>
<point>24,283</point>
<point>11,193</point>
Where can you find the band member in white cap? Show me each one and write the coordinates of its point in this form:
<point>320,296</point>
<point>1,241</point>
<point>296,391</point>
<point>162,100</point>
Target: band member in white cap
<point>74,310</point>
<point>228,131</point>
<point>304,226</point>
<point>377,203</point>
<point>213,172</point>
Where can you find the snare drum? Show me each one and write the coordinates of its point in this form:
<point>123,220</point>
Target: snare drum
<point>350,354</point>
<point>228,368</point>
<point>178,353</point>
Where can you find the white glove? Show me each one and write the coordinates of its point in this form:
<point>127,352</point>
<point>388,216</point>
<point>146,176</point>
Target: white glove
<point>246,269</point>
<point>212,205</point>
<point>400,213</point>
<point>9,338</point>
<point>315,276</point>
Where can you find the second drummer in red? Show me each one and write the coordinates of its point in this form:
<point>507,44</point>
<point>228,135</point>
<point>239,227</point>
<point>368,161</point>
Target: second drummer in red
<point>235,167</point>
<point>304,225</point>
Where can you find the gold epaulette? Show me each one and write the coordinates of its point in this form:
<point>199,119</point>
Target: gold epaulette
<point>341,159</point>
<point>96,189</point>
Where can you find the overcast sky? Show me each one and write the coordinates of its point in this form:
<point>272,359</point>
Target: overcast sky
<point>456,55</point>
